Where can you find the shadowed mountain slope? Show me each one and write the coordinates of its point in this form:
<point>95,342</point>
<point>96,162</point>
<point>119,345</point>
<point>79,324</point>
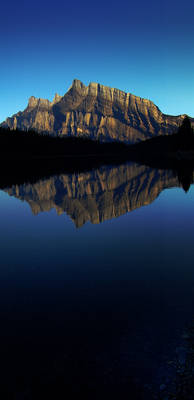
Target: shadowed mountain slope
<point>97,112</point>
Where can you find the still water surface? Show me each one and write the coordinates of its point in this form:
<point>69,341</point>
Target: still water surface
<point>96,282</point>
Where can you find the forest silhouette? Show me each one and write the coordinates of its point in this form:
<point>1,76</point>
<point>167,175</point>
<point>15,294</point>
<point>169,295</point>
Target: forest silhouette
<point>28,155</point>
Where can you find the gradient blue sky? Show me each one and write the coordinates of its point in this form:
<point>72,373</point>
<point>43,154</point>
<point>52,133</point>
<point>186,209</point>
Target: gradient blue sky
<point>144,47</point>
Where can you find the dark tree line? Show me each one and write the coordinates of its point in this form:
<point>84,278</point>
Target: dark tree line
<point>186,134</point>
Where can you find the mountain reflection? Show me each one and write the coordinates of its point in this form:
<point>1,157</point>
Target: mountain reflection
<point>97,195</point>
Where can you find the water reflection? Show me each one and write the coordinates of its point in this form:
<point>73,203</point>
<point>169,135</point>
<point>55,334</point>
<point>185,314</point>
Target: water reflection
<point>101,194</point>
<point>99,311</point>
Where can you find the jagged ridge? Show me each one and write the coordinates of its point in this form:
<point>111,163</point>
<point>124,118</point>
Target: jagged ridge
<point>98,112</point>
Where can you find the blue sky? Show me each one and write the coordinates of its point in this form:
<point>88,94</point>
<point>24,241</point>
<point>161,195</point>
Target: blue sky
<point>144,47</point>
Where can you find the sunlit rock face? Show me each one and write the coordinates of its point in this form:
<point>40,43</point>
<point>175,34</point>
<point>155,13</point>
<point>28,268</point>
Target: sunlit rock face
<point>98,195</point>
<point>98,112</point>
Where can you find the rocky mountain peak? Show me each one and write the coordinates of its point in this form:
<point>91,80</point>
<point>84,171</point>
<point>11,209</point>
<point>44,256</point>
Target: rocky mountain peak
<point>78,85</point>
<point>32,102</point>
<point>57,98</point>
<point>98,111</point>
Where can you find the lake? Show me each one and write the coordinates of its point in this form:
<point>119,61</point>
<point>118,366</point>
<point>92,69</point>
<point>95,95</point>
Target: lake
<point>96,282</point>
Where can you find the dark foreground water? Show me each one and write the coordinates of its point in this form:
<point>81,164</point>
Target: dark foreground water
<point>96,283</point>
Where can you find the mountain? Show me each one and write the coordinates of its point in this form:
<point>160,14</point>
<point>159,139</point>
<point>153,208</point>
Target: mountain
<point>97,195</point>
<point>98,112</point>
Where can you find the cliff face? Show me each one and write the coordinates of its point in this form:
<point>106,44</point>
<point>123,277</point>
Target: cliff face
<point>96,196</point>
<point>98,112</point>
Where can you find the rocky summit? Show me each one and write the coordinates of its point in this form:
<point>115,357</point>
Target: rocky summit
<point>98,112</point>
